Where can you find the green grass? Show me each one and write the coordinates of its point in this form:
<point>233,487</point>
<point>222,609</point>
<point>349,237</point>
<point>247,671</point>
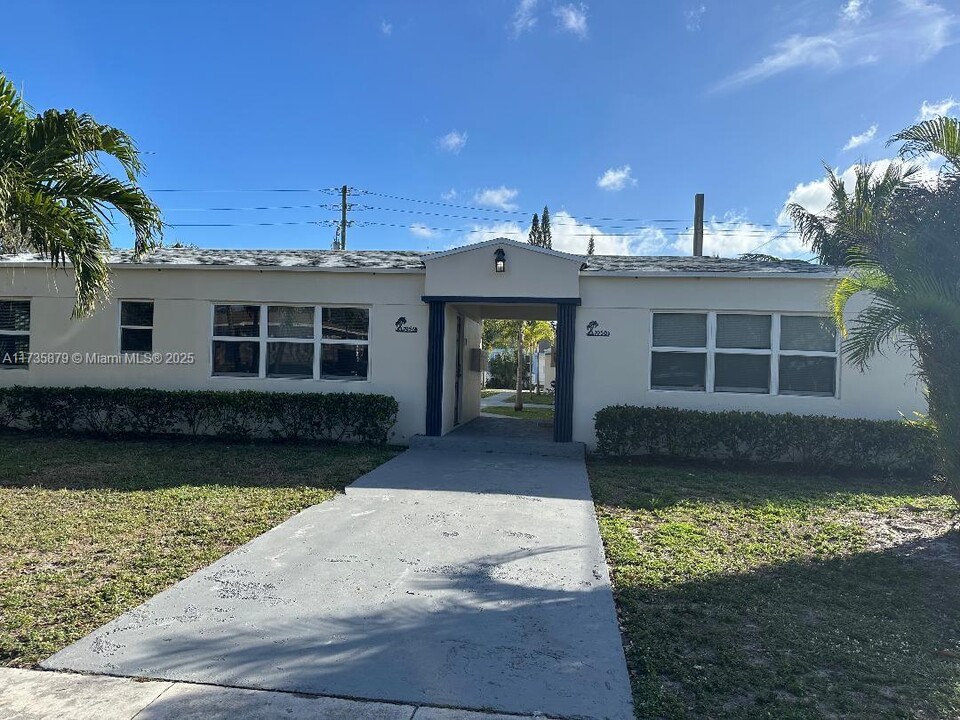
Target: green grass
<point>534,398</point>
<point>756,596</point>
<point>491,392</point>
<point>528,413</point>
<point>92,528</point>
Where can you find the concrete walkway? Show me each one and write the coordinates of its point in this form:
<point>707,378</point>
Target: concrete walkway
<point>452,576</point>
<point>41,695</point>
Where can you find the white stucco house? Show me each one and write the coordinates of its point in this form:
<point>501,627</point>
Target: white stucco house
<point>689,332</point>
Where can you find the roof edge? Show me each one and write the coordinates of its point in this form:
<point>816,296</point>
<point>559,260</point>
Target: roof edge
<point>503,241</point>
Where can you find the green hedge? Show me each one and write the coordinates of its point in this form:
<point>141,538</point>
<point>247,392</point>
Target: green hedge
<point>815,442</point>
<point>245,414</point>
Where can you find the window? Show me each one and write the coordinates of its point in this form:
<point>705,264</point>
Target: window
<point>762,353</point>
<point>295,341</point>
<point>808,356</point>
<point>679,359</point>
<point>742,362</point>
<point>136,326</point>
<point>14,334</point>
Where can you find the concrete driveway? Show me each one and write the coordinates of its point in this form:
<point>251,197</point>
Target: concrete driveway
<point>451,576</point>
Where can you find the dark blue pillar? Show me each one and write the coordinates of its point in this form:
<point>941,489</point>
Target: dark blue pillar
<point>434,425</point>
<point>563,401</point>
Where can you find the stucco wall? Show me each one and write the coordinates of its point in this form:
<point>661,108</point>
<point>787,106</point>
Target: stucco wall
<point>182,324</point>
<point>470,392</point>
<point>529,273</point>
<point>608,370</point>
<point>615,369</point>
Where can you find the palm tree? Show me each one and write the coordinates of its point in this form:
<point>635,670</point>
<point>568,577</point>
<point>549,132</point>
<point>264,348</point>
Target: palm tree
<point>937,136</point>
<point>56,199</point>
<point>852,218</point>
<point>908,262</point>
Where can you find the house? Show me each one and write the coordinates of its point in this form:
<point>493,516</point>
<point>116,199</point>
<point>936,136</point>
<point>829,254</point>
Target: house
<point>690,332</point>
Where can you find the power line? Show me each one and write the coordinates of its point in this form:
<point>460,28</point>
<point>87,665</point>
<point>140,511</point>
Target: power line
<point>328,191</point>
<point>327,223</point>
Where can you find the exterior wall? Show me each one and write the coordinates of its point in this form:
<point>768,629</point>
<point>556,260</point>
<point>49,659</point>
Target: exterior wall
<point>616,369</point>
<point>608,369</point>
<point>470,392</point>
<point>529,273</point>
<point>183,324</point>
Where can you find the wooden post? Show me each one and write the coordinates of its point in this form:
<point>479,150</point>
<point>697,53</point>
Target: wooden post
<point>698,225</point>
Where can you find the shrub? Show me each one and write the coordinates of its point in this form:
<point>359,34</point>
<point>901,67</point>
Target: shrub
<point>238,415</point>
<point>815,442</point>
<point>503,370</point>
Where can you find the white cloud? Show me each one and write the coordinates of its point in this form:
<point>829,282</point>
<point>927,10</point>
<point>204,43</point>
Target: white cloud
<point>861,139</point>
<point>524,17</point>
<point>572,18</point>
<point>694,16</point>
<point>733,234</point>
<point>616,179</point>
<point>911,31</point>
<point>422,231</point>
<point>386,28</point>
<point>815,195</point>
<point>795,51</point>
<point>501,197</point>
<point>930,110</point>
<point>450,194</point>
<point>855,11</point>
<point>571,235</point>
<point>453,142</point>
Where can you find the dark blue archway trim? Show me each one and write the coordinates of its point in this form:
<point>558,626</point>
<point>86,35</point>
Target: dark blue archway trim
<point>434,423</point>
<point>563,402</point>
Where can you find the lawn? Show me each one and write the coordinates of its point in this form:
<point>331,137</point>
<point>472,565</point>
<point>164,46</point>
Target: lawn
<point>91,528</point>
<point>533,398</point>
<point>528,413</point>
<point>491,392</point>
<point>748,595</point>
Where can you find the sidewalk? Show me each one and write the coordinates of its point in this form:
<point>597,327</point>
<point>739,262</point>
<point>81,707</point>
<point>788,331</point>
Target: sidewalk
<point>43,695</point>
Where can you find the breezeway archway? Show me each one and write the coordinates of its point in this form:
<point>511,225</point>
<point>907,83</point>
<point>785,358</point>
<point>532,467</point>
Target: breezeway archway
<point>496,279</point>
<point>560,310</point>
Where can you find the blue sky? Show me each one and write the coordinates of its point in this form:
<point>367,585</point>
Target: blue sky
<point>619,110</point>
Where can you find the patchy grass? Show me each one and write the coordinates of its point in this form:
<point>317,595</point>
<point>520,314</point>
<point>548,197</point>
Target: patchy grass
<point>533,398</point>
<point>528,413</point>
<point>491,392</point>
<point>747,596</point>
<point>92,528</point>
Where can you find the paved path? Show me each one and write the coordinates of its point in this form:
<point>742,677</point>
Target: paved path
<point>450,576</point>
<point>41,695</point>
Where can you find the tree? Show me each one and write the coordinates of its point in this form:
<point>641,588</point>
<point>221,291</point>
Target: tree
<point>937,136</point>
<point>546,235</point>
<point>57,200</point>
<point>534,237</point>
<point>591,246</point>
<point>904,255</point>
<point>521,335</point>
<point>851,218</point>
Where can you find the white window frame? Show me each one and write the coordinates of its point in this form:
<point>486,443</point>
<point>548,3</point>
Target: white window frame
<point>27,333</point>
<point>317,341</point>
<point>774,352</point>
<point>121,327</point>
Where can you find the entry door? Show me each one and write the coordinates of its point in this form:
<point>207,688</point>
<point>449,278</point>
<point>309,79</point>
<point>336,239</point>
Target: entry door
<point>458,390</point>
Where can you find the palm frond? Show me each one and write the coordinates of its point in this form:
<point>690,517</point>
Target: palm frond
<point>937,136</point>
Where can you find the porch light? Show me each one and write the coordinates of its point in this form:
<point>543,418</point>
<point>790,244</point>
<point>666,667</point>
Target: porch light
<point>500,260</point>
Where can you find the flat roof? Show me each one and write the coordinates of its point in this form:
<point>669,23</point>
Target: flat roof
<point>412,261</point>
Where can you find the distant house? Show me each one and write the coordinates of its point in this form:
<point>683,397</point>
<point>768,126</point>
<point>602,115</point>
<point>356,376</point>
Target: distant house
<point>691,332</point>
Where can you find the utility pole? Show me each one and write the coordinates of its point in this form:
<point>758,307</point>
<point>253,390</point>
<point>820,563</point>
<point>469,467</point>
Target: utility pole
<point>343,218</point>
<point>698,225</point>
